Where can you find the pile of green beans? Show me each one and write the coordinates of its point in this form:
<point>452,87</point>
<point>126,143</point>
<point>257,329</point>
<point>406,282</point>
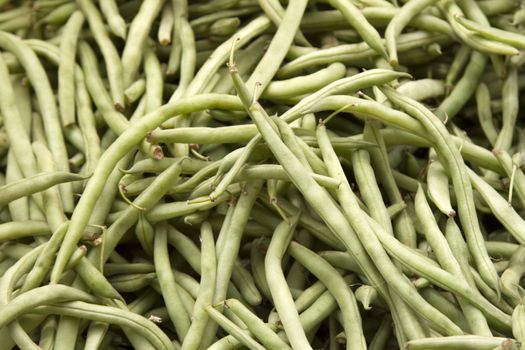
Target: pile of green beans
<point>262,174</point>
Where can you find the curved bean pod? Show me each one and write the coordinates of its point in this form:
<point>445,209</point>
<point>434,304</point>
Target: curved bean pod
<point>34,184</point>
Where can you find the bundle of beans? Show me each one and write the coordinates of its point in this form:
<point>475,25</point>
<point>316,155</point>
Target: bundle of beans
<point>262,174</point>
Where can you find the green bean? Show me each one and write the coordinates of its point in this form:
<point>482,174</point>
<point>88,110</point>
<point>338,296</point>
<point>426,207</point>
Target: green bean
<point>453,12</point>
<point>165,26</point>
<point>116,23</point>
<point>118,268</point>
<point>340,260</point>
<point>257,266</point>
<point>53,205</point>
<point>167,282</point>
<point>154,81</point>
<point>58,15</point>
<point>145,234</point>
<point>460,60</point>
<point>35,213</point>
<point>135,91</point>
<point>478,323</point>
<point>245,283</point>
<point>499,207</point>
<point>74,136</point>
<point>464,88</point>
<point>356,19</point>
<point>40,296</point>
<point>21,338</point>
<point>47,335</point>
<point>324,306</point>
<point>404,228</point>
<point>189,166</point>
<point>510,280</point>
<point>104,203</point>
<point>296,277</point>
<point>66,68</point>
<point>369,189</point>
<point>354,52</point>
<point>395,209</point>
<point>304,84</point>
<point>180,209</point>
<point>463,342</point>
<point>16,24</point>
<point>501,250</point>
<point>422,89</point>
<point>510,97</point>
<point>445,305</point>
<point>95,335</point>
<point>399,21</point>
<point>212,6</point>
<point>202,135</point>
<point>37,126</point>
<point>19,140</point>
<point>517,323</point>
<point>227,179</point>
<point>233,329</point>
<point>489,293</point>
<point>111,57</point>
<point>186,248</point>
<point>66,332</point>
<point>207,284</point>
<point>138,324</point>
<point>341,292</point>
<point>23,100</point>
<point>220,55</point>
<point>291,141</point>
<point>131,282</point>
<point>255,325</point>
<point>281,296</point>
<point>228,342</point>
<point>382,335</point>
<point>367,295</point>
<point>19,209</point>
<point>270,62</point>
<point>173,65</point>
<point>490,7</point>
<point>513,39</point>
<point>8,284</point>
<point>188,60</point>
<point>14,12</point>
<point>485,113</point>
<point>45,259</point>
<point>95,280</point>
<point>438,190</point>
<point>275,11</point>
<point>87,124</point>
<point>35,184</point>
<point>18,229</point>
<point>342,86</point>
<point>116,121</point>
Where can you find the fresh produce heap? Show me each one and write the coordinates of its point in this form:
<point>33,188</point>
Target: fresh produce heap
<point>262,174</point>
